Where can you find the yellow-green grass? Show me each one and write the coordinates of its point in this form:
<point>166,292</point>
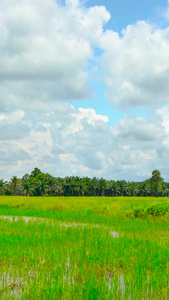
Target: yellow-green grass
<point>90,209</point>
<point>113,205</point>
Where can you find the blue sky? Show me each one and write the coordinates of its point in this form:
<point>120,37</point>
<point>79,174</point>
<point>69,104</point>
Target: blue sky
<point>123,13</point>
<point>84,88</point>
<point>128,12</point>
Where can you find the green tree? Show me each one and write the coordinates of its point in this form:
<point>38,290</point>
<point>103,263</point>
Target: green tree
<point>35,172</point>
<point>27,184</point>
<point>156,182</point>
<point>14,182</point>
<point>41,186</point>
<point>3,187</point>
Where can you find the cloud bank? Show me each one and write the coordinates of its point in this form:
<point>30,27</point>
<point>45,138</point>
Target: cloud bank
<point>45,50</point>
<point>136,65</point>
<point>48,55</point>
<point>79,142</point>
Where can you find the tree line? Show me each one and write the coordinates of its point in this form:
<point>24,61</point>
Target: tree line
<point>43,184</point>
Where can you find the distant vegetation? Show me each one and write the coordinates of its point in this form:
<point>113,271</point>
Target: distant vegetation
<point>43,184</point>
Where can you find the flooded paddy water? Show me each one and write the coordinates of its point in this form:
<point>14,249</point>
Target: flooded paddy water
<point>46,259</point>
<point>27,219</point>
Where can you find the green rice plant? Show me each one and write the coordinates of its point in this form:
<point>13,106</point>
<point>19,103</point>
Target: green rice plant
<point>53,260</point>
<point>84,248</point>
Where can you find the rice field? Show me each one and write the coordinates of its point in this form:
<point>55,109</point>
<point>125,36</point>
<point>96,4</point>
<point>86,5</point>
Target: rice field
<point>84,248</point>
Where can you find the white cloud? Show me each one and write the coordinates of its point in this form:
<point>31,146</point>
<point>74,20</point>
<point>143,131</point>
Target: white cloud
<point>136,65</point>
<point>73,3</point>
<point>129,150</point>
<point>44,51</point>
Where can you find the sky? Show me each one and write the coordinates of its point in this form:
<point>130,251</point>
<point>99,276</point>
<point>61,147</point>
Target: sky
<point>84,88</point>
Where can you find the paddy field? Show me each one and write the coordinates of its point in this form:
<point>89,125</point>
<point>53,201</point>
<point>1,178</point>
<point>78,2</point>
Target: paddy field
<point>84,248</point>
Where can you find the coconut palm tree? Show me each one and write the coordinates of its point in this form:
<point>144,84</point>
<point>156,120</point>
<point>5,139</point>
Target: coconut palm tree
<point>3,187</point>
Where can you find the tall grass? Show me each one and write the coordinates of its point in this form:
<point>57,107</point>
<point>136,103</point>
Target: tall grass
<point>125,256</point>
<point>45,261</point>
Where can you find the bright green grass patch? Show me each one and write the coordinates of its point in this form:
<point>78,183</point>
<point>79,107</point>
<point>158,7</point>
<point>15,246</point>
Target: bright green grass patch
<point>45,261</point>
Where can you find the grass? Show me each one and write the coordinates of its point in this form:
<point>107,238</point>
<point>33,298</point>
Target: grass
<point>50,260</point>
<point>86,207</point>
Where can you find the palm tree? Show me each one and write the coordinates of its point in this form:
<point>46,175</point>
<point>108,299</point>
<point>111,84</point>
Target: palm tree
<point>156,182</point>
<point>13,183</point>
<point>42,186</point>
<point>3,186</point>
<point>27,184</point>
